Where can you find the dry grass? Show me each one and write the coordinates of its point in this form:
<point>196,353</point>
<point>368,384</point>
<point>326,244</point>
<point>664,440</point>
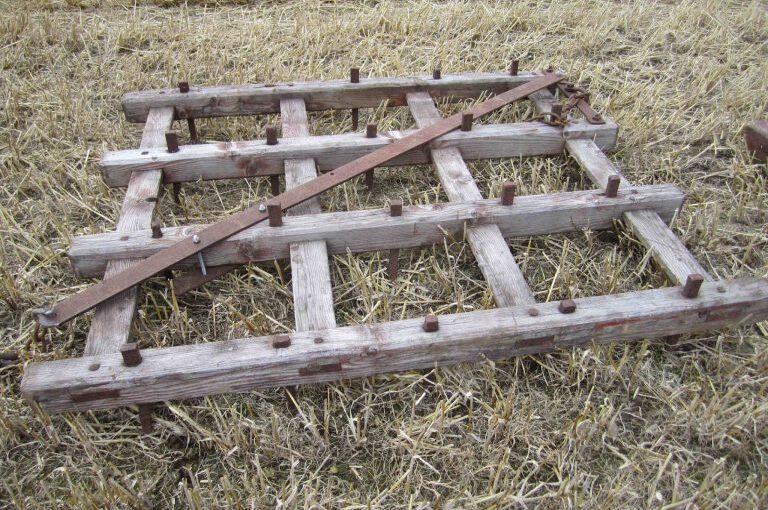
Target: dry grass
<point>638,425</point>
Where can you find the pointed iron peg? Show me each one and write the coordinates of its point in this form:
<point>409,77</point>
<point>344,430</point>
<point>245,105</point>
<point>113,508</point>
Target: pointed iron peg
<point>274,182</point>
<point>177,193</point>
<point>183,87</point>
<point>172,141</point>
<point>466,121</point>
<point>612,187</point>
<point>567,306</point>
<point>508,193</point>
<point>275,213</point>
<point>392,269</point>
<point>271,134</point>
<point>355,119</point>
<point>692,285</point>
<point>437,74</point>
<point>431,323</point>
<point>157,231</point>
<point>396,207</point>
<point>145,418</point>
<point>192,129</point>
<point>131,354</point>
<point>514,67</point>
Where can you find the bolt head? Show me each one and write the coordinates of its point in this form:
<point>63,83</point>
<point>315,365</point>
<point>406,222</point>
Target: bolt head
<point>196,239</point>
<point>262,208</point>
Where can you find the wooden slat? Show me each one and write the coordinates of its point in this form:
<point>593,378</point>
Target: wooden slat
<point>254,158</point>
<point>310,274</point>
<point>260,98</point>
<point>253,364</point>
<point>491,251</point>
<point>665,247</point>
<point>111,324</point>
<point>374,229</point>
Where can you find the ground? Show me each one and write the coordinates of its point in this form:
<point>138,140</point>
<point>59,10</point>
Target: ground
<point>646,424</point>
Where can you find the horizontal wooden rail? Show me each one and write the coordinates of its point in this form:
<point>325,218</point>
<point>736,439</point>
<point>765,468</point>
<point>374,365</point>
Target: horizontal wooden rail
<point>187,371</point>
<point>260,98</point>
<point>376,229</point>
<point>229,160</point>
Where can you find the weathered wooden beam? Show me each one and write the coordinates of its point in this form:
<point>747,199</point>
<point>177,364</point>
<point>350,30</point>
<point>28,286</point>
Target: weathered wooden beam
<point>376,229</point>
<point>254,158</point>
<point>261,98</point>
<point>491,251</point>
<point>172,373</point>
<point>310,273</point>
<point>111,324</point>
<point>667,250</point>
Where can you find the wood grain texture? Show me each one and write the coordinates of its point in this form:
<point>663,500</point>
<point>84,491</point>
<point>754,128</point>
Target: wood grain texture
<point>357,351</point>
<point>667,250</point>
<point>310,273</point>
<point>254,158</point>
<point>112,320</point>
<point>375,229</point>
<point>260,98</point>
<point>491,251</point>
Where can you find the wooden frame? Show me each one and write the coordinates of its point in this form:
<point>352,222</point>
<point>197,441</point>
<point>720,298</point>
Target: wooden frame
<point>319,350</point>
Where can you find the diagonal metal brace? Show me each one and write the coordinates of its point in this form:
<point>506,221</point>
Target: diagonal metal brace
<point>78,304</point>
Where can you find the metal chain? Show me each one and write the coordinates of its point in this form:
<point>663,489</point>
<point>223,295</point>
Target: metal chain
<point>555,118</point>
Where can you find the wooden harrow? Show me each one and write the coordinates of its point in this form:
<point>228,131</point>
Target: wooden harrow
<point>115,371</point>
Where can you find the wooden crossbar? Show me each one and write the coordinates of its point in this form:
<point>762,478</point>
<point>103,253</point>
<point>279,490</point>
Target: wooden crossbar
<point>254,158</point>
<point>358,351</point>
<point>260,98</point>
<point>375,229</point>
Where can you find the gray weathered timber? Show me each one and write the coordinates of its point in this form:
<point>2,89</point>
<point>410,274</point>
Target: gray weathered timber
<point>310,274</point>
<point>111,324</point>
<point>376,229</point>
<point>665,247</point>
<point>260,98</point>
<point>254,158</point>
<point>491,251</point>
<point>358,351</point>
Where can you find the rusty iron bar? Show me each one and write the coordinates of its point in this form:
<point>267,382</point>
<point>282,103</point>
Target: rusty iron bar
<point>146,419</point>
<point>80,303</point>
<point>275,213</point>
<point>274,184</point>
<point>513,68</point>
<point>183,87</point>
<point>437,74</point>
<point>395,209</point>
